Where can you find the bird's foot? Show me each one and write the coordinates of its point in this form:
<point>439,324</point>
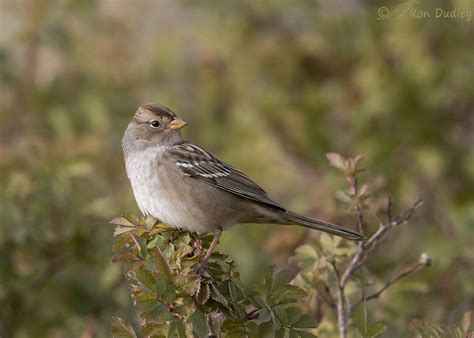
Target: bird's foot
<point>202,267</point>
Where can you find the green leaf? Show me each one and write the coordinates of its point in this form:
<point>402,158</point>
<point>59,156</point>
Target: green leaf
<point>150,222</point>
<point>188,284</point>
<point>305,322</point>
<point>265,330</point>
<point>427,329</point>
<point>203,293</point>
<point>282,277</point>
<point>233,329</point>
<point>306,256</point>
<point>124,257</point>
<point>154,330</point>
<point>120,329</point>
<point>119,230</point>
<point>198,321</point>
<point>146,278</point>
<point>360,319</point>
<point>165,291</point>
<point>288,294</point>
<point>264,315</point>
<point>343,197</point>
<point>122,221</point>
<point>376,329</point>
<point>269,278</point>
<point>162,265</point>
<point>280,313</point>
<point>181,328</point>
<point>232,292</point>
<point>293,314</point>
<point>218,296</point>
<point>280,333</point>
<point>327,243</point>
<point>303,334</point>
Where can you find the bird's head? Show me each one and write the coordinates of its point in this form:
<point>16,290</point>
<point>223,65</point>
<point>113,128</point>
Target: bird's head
<point>154,124</point>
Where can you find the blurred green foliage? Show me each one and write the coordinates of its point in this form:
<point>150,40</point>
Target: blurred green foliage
<point>269,86</point>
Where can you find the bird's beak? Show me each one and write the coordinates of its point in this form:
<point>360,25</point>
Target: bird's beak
<point>177,124</point>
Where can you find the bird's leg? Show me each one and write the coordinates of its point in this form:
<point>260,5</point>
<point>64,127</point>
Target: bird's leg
<point>203,265</point>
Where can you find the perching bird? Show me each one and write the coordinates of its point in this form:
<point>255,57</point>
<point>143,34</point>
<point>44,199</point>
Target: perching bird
<point>185,186</point>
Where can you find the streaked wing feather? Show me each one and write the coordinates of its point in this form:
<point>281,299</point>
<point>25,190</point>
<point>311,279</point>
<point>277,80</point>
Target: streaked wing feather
<point>197,163</point>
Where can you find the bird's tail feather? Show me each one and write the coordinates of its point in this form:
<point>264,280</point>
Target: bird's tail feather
<point>334,229</point>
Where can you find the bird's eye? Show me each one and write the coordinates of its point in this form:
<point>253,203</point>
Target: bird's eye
<point>154,123</point>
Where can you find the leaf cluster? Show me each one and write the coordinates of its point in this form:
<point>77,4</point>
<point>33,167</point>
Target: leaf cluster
<point>173,300</point>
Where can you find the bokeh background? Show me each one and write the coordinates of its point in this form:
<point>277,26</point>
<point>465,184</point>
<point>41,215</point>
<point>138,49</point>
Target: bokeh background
<point>269,86</point>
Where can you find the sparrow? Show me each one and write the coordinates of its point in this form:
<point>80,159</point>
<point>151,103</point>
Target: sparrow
<point>187,187</point>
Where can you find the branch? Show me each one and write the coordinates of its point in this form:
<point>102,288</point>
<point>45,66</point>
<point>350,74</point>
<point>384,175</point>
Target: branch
<point>341,302</point>
<point>366,248</point>
<point>423,261</point>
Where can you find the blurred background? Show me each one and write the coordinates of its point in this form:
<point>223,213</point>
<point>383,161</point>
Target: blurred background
<point>268,86</point>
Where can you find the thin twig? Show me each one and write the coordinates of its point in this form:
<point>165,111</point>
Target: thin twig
<point>388,284</point>
<point>389,209</point>
<point>341,303</point>
<point>330,299</point>
<point>344,310</point>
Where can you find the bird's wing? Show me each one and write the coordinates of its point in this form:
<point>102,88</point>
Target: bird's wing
<point>199,164</point>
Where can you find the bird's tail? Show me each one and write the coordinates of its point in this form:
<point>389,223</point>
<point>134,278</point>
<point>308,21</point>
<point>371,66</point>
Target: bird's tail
<point>293,218</point>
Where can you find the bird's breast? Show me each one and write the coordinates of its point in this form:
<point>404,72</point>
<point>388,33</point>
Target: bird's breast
<point>163,192</point>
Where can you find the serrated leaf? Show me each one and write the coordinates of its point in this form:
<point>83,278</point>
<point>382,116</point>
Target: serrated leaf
<point>188,283</point>
<point>120,329</point>
<point>218,296</point>
<point>203,293</point>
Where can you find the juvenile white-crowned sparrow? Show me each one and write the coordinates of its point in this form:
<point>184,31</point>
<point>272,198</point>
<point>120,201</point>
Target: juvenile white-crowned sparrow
<point>183,185</point>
